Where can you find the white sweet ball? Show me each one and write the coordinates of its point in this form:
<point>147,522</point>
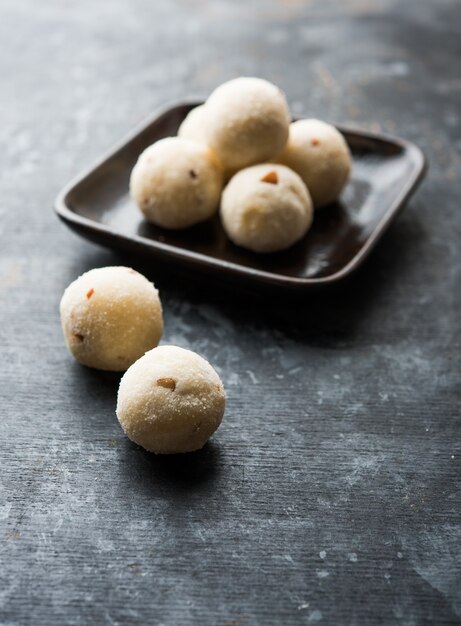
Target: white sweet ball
<point>176,183</point>
<point>193,126</point>
<point>266,208</point>
<point>110,317</point>
<point>320,155</point>
<point>170,401</point>
<point>247,122</point>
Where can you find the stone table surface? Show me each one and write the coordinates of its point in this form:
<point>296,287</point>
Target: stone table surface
<point>331,493</point>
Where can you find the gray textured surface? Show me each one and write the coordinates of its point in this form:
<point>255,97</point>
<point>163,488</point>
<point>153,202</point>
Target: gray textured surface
<point>331,493</point>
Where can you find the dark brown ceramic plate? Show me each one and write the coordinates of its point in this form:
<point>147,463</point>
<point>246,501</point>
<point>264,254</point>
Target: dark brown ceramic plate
<point>385,172</point>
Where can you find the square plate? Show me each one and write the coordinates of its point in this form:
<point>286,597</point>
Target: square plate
<point>385,172</point>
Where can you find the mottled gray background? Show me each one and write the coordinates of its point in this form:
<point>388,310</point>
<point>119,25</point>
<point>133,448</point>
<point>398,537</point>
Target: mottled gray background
<point>331,493</point>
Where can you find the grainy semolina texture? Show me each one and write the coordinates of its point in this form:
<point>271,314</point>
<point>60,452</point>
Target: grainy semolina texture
<point>171,400</point>
<point>266,208</point>
<point>110,317</point>
<point>247,122</point>
<point>318,152</point>
<point>177,183</point>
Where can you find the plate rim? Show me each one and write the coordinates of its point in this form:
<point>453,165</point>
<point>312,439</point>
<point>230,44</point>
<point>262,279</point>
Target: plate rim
<point>70,217</point>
